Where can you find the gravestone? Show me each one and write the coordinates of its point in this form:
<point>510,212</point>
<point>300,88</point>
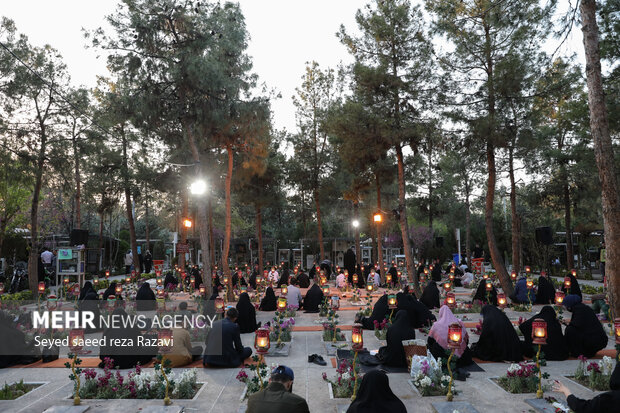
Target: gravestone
<point>67,409</point>
<point>541,405</point>
<point>449,407</point>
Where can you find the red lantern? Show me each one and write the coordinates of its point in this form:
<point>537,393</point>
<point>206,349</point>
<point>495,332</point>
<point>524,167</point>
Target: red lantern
<point>451,277</point>
<point>76,339</point>
<point>1,288</point>
<point>284,289</point>
<point>489,286</point>
<point>388,278</point>
<point>455,336</point>
<point>450,300</point>
<point>357,337</point>
<point>559,297</point>
<point>567,282</point>
<point>66,279</point>
<point>96,280</point>
<point>261,341</point>
<point>160,281</point>
<point>52,302</point>
<point>539,331</point>
<point>528,270</point>
<point>118,289</point>
<point>42,287</point>
<point>323,279</point>
<point>529,284</point>
<point>355,278</point>
<point>192,281</point>
<point>574,272</point>
<point>485,276</point>
<point>281,304</point>
<point>617,330</point>
<point>164,340</point>
<point>160,293</point>
<point>513,275</point>
<point>501,300</point>
<point>107,274</point>
<point>369,287</point>
<point>219,305</point>
<point>111,301</point>
<point>202,289</point>
<point>447,286</point>
<point>325,289</point>
<point>392,302</point>
<point>425,271</point>
<point>133,273</point>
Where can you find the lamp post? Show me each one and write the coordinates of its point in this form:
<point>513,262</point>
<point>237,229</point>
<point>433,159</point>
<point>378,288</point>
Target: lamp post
<point>539,337</point>
<point>164,340</point>
<point>357,344</point>
<point>455,336</point>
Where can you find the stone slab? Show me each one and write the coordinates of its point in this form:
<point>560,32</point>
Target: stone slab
<point>331,348</point>
<point>162,409</point>
<point>342,408</point>
<point>67,409</point>
<point>449,407</point>
<point>283,351</point>
<point>541,405</point>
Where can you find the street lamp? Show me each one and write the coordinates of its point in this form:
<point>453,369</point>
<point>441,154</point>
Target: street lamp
<point>355,223</point>
<point>198,187</point>
<point>377,217</point>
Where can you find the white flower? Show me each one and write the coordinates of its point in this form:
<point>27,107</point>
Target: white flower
<point>445,378</point>
<point>345,376</point>
<point>426,381</point>
<point>514,368</point>
<point>607,365</point>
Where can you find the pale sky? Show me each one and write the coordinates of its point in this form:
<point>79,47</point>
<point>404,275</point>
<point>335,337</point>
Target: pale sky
<point>285,35</point>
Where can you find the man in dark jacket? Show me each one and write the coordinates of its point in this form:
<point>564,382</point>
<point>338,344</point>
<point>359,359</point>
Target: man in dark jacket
<point>223,347</point>
<point>278,397</point>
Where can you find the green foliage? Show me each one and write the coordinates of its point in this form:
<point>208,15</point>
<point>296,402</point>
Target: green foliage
<point>15,390</point>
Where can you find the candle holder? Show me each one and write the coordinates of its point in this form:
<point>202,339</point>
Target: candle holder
<point>392,304</point>
<point>164,340</point>
<point>261,345</point>
<point>455,337</point>
<point>281,304</point>
<point>539,337</point>
<point>567,283</point>
<point>501,300</point>
<point>559,297</point>
<point>450,300</point>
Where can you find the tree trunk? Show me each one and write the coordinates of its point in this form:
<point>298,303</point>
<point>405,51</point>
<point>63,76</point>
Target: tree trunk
<point>211,239</point>
<point>467,226</point>
<point>146,223</point>
<point>319,224</point>
<point>515,219</point>
<point>127,189</point>
<point>379,240</point>
<point>101,215</point>
<point>184,216</point>
<point>228,225</point>
<point>78,192</point>
<point>358,248</point>
<point>430,186</point>
<point>404,228</point>
<point>259,235</point>
<point>603,152</point>
<point>567,219</point>
<point>33,254</point>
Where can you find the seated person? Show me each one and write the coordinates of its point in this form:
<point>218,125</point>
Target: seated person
<point>125,357</point>
<point>223,346</point>
<point>89,301</point>
<point>341,280</point>
<point>111,290</point>
<point>556,347</point>
<point>484,296</point>
<point>498,340</point>
<point>375,395</point>
<point>293,297</point>
<point>419,315</point>
<point>182,352</point>
<point>247,314</point>
<point>430,295</point>
<point>303,280</point>
<point>170,280</point>
<point>584,334</point>
<point>380,311</point>
<point>467,278</point>
<point>278,397</point>
<point>313,299</point>
<point>394,353</point>
<point>14,349</point>
<point>438,338</point>
<point>145,298</point>
<point>284,278</point>
<point>521,294</point>
<point>545,293</point>
<point>374,278</point>
<point>604,402</point>
<point>268,303</point>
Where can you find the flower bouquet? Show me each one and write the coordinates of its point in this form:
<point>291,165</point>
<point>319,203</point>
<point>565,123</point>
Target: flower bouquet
<point>594,375</point>
<point>343,384</point>
<point>381,328</point>
<point>281,329</point>
<point>427,376</point>
<point>260,376</point>
<point>521,378</point>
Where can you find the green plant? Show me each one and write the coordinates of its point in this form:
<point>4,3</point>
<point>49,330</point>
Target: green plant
<point>590,289</point>
<point>324,307</point>
<point>259,379</point>
<point>281,330</point>
<point>594,375</point>
<point>331,332</point>
<point>15,390</point>
<point>522,378</point>
<point>343,385</point>
<point>20,296</point>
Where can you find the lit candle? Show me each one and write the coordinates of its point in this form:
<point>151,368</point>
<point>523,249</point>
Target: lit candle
<point>455,336</point>
<point>392,303</point>
<point>539,331</point>
<point>261,341</point>
<point>559,297</point>
<point>501,300</point>
<point>450,300</point>
<point>281,304</point>
<point>357,337</point>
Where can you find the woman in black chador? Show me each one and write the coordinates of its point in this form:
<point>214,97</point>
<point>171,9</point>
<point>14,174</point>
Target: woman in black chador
<point>498,340</point>
<point>128,356</point>
<point>556,347</point>
<point>303,280</point>
<point>284,278</point>
<point>380,311</point>
<point>604,402</point>
<point>145,298</point>
<point>375,395</point>
<point>13,342</point>
<point>430,295</point>
<point>574,287</point>
<point>394,354</point>
<point>247,314</point>
<point>111,290</point>
<point>89,301</point>
<point>268,303</point>
<point>419,315</point>
<point>584,334</point>
<point>313,299</point>
<point>170,280</point>
<point>487,297</point>
<point>546,291</point>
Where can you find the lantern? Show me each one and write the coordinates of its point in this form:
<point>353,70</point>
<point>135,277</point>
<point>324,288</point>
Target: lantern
<point>451,276</point>
<point>323,279</point>
<point>447,286</point>
<point>261,341</point>
<point>42,287</point>
<point>160,293</point>
<point>539,331</point>
<point>259,279</point>
<point>431,267</point>
<point>357,337</point>
<point>284,289</point>
<point>355,278</point>
<point>1,288</point>
<point>225,280</point>
<point>501,300</point>
<point>422,278</point>
<point>281,304</point>
<point>325,289</point>
<point>388,278</point>
<point>377,217</point>
<point>118,289</point>
<point>450,300</point>
<point>160,281</point>
<point>455,336</point>
<point>369,287</point>
<point>219,305</point>
<point>214,274</point>
<point>425,271</point>
<point>96,280</point>
<point>573,272</point>
<point>528,270</point>
<point>392,303</point>
<point>567,282</point>
<point>164,340</point>
<point>559,297</point>
<point>244,289</point>
<point>52,302</point>
<point>485,276</point>
<point>107,274</point>
<point>489,286</point>
<point>529,284</point>
<point>513,275</point>
<point>127,279</point>
<point>66,279</point>
<point>202,289</point>
<point>335,302</point>
<point>111,301</point>
<point>192,281</point>
<point>76,339</point>
<point>133,273</point>
<point>617,330</point>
